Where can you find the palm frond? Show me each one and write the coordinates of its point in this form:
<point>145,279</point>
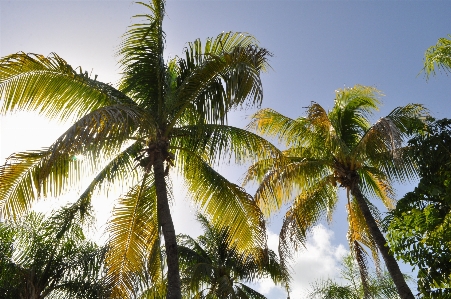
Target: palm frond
<point>222,82</point>
<point>134,234</point>
<point>351,110</point>
<point>22,181</point>
<point>225,203</point>
<point>223,142</point>
<point>358,231</point>
<point>245,292</point>
<point>358,252</point>
<point>307,209</point>
<point>141,57</point>
<point>438,57</point>
<point>273,124</point>
<point>50,86</point>
<point>103,131</point>
<point>287,177</point>
<point>374,182</point>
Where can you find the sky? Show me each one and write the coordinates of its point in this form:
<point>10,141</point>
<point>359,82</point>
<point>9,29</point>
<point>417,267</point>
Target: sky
<point>318,47</point>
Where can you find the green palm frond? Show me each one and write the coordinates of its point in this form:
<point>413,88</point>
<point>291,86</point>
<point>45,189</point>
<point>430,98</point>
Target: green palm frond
<point>213,267</point>
<point>226,203</point>
<point>120,172</point>
<point>351,110</point>
<point>307,210</point>
<point>134,234</point>
<point>273,124</point>
<point>23,181</point>
<point>216,142</point>
<point>52,87</point>
<point>287,177</point>
<point>103,131</point>
<point>142,59</point>
<point>222,82</point>
<point>245,292</point>
<point>438,57</point>
<point>374,182</point>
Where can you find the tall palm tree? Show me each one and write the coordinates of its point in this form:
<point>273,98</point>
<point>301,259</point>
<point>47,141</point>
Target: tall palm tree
<point>164,115</point>
<point>438,56</point>
<point>212,267</point>
<point>328,150</point>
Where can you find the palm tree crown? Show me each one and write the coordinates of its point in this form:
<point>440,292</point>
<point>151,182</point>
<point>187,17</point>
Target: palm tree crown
<point>327,150</point>
<point>165,114</point>
<point>212,267</point>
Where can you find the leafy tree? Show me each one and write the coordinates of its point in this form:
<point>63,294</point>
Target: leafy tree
<point>420,228</point>
<point>38,260</point>
<point>380,285</point>
<point>438,56</point>
<point>164,115</point>
<point>212,266</point>
<point>339,148</point>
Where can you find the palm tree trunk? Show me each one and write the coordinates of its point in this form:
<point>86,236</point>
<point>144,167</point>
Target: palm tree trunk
<point>390,261</point>
<point>167,227</point>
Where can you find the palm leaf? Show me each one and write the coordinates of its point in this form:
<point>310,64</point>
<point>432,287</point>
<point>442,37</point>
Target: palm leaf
<point>286,178</point>
<point>220,142</point>
<point>307,209</point>
<point>226,203</point>
<point>52,87</point>
<point>134,235</point>
<point>142,59</point>
<point>222,82</point>
<point>438,57</point>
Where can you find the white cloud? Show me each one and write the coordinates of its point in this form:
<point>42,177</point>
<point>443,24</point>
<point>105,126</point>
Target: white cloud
<point>319,260</point>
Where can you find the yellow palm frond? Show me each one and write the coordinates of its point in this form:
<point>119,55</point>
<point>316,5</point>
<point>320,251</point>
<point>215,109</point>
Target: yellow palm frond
<point>225,203</point>
<point>286,177</point>
<point>214,142</point>
<point>375,183</point>
<point>133,237</point>
<point>307,210</point>
<point>22,180</point>
<point>359,232</point>
<point>51,87</point>
<point>273,124</point>
<point>221,82</point>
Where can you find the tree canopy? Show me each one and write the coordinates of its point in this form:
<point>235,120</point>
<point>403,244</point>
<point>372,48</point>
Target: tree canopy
<point>40,259</point>
<point>331,149</point>
<point>419,232</point>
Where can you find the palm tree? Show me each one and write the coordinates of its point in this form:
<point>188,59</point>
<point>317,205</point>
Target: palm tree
<point>212,267</point>
<point>164,115</point>
<point>339,148</point>
<point>39,260</point>
<point>438,56</point>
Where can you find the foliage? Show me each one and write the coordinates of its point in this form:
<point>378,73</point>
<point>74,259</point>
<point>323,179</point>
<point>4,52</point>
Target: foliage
<point>39,260</point>
<point>165,116</point>
<point>328,150</point>
<point>381,285</point>
<point>438,56</point>
<point>212,267</point>
<point>420,228</point>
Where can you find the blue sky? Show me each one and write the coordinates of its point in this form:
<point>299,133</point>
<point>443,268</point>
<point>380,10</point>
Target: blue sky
<point>318,47</point>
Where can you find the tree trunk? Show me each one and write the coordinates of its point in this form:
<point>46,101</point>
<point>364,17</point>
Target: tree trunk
<point>167,227</point>
<point>390,261</point>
